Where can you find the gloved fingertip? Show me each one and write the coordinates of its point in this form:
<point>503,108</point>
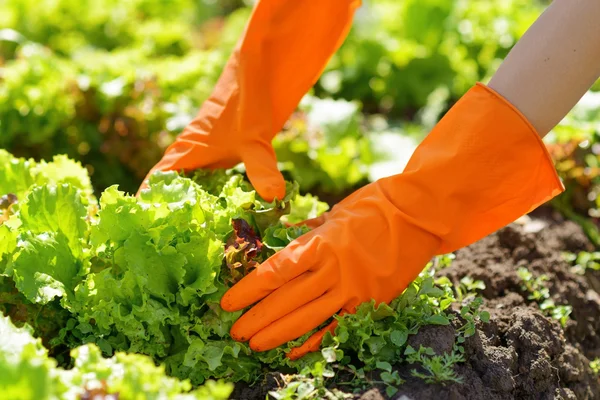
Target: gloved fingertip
<point>237,332</point>
<point>261,166</point>
<point>261,345</point>
<point>237,337</point>
<point>312,344</point>
<point>297,353</point>
<point>227,303</point>
<point>272,190</point>
<point>314,223</point>
<point>270,186</point>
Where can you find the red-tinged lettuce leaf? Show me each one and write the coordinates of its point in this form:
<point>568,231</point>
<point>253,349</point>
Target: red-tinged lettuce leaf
<point>8,205</point>
<point>243,250</point>
<point>7,201</point>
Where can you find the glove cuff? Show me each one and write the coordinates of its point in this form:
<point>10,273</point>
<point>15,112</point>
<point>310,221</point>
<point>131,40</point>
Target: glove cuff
<point>480,168</point>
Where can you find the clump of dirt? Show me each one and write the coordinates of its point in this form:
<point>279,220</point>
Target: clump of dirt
<point>496,259</point>
<point>521,353</point>
<point>257,391</point>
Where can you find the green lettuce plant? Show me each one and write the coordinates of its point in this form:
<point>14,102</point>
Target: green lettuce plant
<point>27,372</point>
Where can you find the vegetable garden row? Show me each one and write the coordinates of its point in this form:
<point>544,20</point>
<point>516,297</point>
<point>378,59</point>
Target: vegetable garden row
<point>109,296</point>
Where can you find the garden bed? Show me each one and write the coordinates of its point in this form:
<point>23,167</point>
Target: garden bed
<point>522,353</point>
<point>513,316</point>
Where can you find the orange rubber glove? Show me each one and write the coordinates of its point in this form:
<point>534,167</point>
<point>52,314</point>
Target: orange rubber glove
<point>284,49</point>
<point>481,167</point>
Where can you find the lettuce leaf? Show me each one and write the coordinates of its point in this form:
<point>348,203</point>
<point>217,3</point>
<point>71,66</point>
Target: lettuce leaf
<point>132,376</point>
<point>19,175</point>
<point>25,369</point>
<point>48,259</point>
<point>16,175</point>
<point>305,207</point>
<point>63,170</point>
<point>44,267</point>
<point>26,372</point>
<point>141,274</point>
<point>159,270</point>
<point>8,242</point>
<point>57,209</point>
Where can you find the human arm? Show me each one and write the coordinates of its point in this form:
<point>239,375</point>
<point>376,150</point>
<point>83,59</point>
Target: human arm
<point>482,166</point>
<point>555,62</point>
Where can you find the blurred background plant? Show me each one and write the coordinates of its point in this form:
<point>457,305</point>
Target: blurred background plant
<point>111,83</point>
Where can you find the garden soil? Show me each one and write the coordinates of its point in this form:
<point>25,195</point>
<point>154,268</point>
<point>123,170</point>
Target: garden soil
<point>520,353</point>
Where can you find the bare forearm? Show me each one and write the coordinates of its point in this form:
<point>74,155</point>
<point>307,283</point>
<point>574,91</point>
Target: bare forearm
<point>553,64</point>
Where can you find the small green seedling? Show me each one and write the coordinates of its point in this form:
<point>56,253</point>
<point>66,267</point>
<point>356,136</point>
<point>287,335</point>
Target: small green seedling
<point>595,366</point>
<point>468,288</point>
<point>438,369</point>
<point>583,261</point>
<point>390,378</point>
<point>309,384</point>
<point>471,314</point>
<point>534,286</point>
<point>541,294</point>
<point>443,261</point>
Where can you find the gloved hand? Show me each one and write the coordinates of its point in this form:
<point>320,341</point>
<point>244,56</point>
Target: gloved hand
<point>481,167</point>
<point>281,54</point>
